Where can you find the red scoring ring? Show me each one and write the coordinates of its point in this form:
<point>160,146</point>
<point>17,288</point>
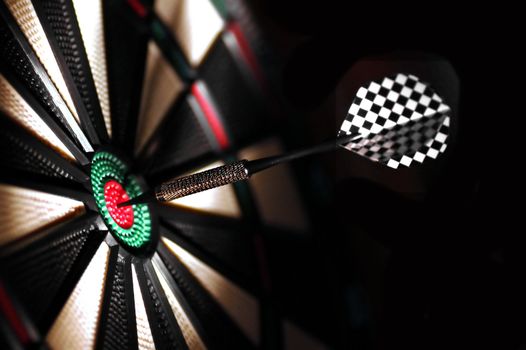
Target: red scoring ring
<point>114,194</point>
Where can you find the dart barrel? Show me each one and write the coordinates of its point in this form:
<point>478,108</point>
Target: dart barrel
<point>203,181</point>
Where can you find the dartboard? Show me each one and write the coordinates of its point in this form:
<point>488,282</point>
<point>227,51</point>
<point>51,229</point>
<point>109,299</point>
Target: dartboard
<point>98,101</point>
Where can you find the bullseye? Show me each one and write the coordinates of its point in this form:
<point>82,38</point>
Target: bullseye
<point>114,194</point>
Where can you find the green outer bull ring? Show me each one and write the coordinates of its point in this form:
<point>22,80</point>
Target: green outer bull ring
<point>106,166</point>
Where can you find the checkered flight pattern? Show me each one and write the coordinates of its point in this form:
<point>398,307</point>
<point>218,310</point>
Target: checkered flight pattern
<point>397,120</point>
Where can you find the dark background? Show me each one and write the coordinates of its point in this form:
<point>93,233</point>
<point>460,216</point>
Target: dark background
<point>425,258</point>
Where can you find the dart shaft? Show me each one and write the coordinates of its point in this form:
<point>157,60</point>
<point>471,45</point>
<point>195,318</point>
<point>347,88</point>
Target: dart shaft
<point>258,165</point>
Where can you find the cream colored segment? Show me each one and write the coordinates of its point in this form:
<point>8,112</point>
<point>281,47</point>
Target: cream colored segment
<point>296,338</point>
<point>76,325</point>
<point>275,192</point>
<point>91,24</point>
<point>27,19</point>
<point>238,304</point>
<point>192,338</point>
<point>144,333</point>
<point>24,211</point>
<point>16,108</point>
<point>160,89</point>
<point>195,24</point>
<point>219,201</point>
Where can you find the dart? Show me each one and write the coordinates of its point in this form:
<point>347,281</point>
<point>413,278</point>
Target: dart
<point>397,121</point>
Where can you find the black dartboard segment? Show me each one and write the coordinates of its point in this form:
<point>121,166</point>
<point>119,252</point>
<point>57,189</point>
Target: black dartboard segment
<point>183,139</point>
<point>221,239</point>
<point>217,325</point>
<point>165,330</point>
<point>58,17</point>
<point>27,158</point>
<point>238,104</point>
<point>25,153</point>
<point>44,272</point>
<point>126,46</point>
<point>117,328</point>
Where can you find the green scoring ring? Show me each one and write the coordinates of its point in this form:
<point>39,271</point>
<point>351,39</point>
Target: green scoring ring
<point>104,167</point>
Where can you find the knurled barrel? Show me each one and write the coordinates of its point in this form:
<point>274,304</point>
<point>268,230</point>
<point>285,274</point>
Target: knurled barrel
<point>203,181</point>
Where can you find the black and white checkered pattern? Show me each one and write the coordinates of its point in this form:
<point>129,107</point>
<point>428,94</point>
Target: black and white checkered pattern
<point>397,121</point>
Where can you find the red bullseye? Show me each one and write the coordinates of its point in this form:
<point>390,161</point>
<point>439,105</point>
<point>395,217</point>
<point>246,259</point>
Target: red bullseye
<point>114,194</point>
